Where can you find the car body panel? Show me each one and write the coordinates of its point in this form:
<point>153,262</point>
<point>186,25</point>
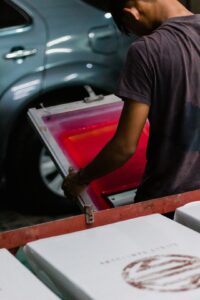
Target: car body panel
<point>76,52</point>
<point>26,37</point>
<point>69,53</point>
<point>13,101</point>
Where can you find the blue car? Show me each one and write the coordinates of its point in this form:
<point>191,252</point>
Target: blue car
<point>51,52</point>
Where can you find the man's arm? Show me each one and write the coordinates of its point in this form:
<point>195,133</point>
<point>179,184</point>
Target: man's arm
<point>116,152</point>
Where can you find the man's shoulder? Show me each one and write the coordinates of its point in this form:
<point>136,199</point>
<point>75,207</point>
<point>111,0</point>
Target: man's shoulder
<point>154,43</point>
<point>138,44</point>
<point>138,47</point>
<point>145,43</point>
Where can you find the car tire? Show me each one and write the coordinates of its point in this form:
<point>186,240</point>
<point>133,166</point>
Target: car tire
<point>27,189</point>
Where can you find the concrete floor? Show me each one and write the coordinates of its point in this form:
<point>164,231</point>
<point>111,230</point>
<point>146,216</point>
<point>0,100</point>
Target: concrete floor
<point>11,219</point>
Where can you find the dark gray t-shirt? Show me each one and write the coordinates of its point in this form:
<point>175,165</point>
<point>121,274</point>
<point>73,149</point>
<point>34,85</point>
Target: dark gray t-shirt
<point>163,70</point>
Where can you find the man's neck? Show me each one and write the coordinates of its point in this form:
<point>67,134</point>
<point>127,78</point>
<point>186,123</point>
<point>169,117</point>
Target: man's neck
<point>174,9</point>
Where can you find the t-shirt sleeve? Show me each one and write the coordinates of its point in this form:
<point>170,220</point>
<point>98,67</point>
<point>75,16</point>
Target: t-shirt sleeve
<point>136,81</point>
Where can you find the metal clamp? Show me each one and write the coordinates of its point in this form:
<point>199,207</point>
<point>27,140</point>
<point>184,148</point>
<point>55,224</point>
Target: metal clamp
<point>92,95</point>
<point>89,214</point>
<point>88,211</point>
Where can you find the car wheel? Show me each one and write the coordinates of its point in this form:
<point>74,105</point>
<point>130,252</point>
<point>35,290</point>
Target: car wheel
<point>34,183</point>
<point>49,173</point>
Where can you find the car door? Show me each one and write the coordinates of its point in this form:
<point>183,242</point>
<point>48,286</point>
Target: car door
<point>22,42</point>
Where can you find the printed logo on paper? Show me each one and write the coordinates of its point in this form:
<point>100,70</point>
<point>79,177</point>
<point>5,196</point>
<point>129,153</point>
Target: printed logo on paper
<point>164,273</point>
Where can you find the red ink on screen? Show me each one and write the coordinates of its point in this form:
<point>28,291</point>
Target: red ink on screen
<point>82,134</point>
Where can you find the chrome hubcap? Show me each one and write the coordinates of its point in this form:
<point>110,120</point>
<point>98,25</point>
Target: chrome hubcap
<point>49,173</point>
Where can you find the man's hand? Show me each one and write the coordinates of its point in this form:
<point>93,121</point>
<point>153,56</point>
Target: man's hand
<point>71,184</point>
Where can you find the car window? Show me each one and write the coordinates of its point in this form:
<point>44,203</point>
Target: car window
<point>11,15</point>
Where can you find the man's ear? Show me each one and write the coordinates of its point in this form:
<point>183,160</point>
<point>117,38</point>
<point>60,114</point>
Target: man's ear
<point>133,11</point>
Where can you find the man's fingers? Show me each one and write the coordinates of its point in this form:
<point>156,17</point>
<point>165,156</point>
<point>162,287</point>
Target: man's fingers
<point>70,185</point>
<point>68,188</point>
<point>63,184</point>
<point>71,170</point>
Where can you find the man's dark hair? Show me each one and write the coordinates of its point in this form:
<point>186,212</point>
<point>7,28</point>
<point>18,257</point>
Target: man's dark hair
<point>116,9</point>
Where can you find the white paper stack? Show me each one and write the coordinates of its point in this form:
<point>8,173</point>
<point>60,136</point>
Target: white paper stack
<point>18,283</point>
<point>189,215</point>
<point>145,258</point>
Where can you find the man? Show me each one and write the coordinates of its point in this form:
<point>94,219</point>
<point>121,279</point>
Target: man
<point>160,81</point>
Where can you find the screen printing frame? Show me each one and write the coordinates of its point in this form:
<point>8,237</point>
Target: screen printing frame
<point>36,116</point>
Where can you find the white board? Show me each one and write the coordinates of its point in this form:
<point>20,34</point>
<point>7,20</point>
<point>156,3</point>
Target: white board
<point>145,258</point>
<point>18,283</point>
<point>189,215</point>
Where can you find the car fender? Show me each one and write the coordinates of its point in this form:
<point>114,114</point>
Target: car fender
<point>82,73</point>
<point>13,102</point>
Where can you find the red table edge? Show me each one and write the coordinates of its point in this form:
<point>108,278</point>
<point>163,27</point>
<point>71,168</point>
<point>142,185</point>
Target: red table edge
<point>15,238</point>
